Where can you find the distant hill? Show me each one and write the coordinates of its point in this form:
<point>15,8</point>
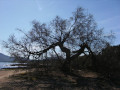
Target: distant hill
<point>5,58</point>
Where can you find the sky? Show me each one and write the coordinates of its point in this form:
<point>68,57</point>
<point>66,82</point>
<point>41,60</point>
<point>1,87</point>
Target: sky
<point>20,13</point>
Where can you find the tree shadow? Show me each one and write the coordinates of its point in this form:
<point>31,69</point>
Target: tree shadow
<point>56,80</point>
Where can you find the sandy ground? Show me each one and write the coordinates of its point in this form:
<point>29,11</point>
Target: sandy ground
<point>86,80</point>
<point>5,74</point>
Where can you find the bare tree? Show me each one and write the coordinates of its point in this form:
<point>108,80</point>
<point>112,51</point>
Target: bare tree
<point>72,36</point>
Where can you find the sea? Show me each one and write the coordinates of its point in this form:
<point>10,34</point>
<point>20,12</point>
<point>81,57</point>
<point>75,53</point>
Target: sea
<point>7,65</point>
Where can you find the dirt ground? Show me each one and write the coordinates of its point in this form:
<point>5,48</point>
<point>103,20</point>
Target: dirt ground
<point>80,80</point>
<point>4,74</point>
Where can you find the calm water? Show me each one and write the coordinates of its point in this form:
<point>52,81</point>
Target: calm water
<point>6,65</point>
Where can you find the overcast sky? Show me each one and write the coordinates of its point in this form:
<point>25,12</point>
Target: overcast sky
<point>20,13</point>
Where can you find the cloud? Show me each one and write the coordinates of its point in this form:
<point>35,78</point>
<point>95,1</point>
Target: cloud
<point>38,5</point>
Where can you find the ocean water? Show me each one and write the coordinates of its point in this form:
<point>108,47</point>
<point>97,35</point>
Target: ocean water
<point>7,65</point>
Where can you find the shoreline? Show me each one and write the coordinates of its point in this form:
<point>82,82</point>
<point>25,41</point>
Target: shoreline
<point>12,65</point>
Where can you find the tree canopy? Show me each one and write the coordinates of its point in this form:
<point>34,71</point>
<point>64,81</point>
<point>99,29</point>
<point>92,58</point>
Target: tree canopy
<point>73,36</point>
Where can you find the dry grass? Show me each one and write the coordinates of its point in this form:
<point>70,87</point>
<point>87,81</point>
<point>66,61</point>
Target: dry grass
<point>54,80</point>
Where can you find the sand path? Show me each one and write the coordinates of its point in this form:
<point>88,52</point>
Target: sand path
<point>4,74</point>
